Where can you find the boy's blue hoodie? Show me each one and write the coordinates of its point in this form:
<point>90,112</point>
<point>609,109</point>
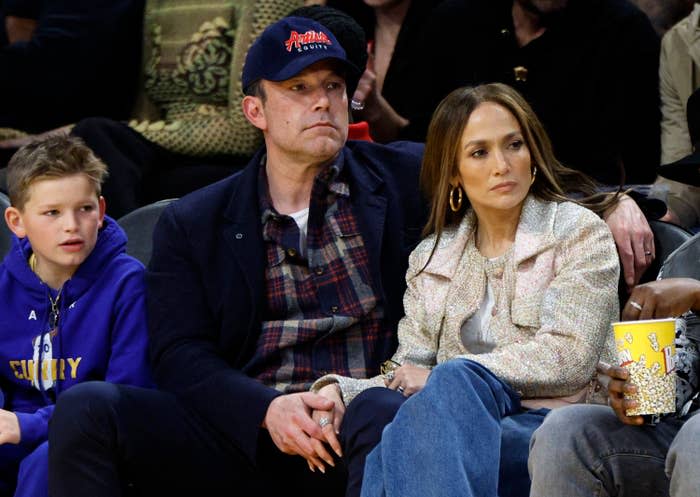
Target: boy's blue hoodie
<point>101,332</point>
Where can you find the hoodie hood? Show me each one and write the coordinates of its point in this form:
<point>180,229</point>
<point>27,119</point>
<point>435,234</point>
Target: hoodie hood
<point>111,241</point>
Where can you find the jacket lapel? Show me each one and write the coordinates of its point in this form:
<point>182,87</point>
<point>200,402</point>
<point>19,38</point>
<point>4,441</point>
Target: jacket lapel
<point>242,228</point>
<point>535,229</point>
<point>369,204</point>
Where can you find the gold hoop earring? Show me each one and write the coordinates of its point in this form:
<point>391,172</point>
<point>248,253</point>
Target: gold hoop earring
<point>455,206</point>
<point>534,173</point>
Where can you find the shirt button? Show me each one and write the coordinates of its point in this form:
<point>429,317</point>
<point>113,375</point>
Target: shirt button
<point>505,32</point>
<point>291,252</point>
<point>319,271</point>
<point>334,309</point>
<point>498,273</point>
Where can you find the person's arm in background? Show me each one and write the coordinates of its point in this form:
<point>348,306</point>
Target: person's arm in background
<point>635,85</point>
<point>662,299</point>
<point>675,138</point>
<point>385,122</point>
<point>658,299</point>
<point>633,238</point>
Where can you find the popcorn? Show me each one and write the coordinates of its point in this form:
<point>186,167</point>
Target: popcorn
<point>652,390</point>
<point>654,342</point>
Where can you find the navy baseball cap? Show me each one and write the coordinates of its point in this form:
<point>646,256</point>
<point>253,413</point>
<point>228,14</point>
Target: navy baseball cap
<point>289,46</point>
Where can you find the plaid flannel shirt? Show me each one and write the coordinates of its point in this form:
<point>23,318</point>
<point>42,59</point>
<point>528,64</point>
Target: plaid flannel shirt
<point>322,311</point>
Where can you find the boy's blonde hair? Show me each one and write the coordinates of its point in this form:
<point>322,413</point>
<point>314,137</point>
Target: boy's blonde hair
<point>53,157</point>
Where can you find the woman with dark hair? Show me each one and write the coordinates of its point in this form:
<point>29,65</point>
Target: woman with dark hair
<point>509,302</point>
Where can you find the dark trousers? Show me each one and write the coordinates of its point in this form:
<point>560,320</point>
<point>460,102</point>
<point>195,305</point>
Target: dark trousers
<point>141,172</point>
<point>111,440</point>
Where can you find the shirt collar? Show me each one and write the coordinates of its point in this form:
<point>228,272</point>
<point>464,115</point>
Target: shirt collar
<point>330,179</point>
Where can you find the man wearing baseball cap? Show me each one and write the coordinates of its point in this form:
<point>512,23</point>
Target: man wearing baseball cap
<point>259,285</point>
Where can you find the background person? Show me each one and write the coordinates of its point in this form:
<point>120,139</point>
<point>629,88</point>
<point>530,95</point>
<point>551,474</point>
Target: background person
<point>65,60</point>
<point>571,452</point>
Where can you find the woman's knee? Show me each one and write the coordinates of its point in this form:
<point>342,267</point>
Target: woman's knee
<point>450,371</point>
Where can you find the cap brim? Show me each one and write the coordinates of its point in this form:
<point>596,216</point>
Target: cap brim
<point>297,66</point>
<point>685,170</point>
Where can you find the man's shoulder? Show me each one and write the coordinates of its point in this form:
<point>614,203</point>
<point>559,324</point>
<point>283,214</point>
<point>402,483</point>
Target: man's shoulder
<point>400,156</point>
<point>209,201</point>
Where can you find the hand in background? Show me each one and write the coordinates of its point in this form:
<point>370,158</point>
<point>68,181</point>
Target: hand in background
<point>664,298</point>
<point>384,122</point>
<point>633,237</point>
<point>617,380</point>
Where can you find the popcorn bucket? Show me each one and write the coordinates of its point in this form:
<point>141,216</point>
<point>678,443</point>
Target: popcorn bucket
<point>647,349</point>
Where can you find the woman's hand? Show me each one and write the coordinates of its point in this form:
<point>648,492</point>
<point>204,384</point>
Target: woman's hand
<point>330,425</point>
<point>407,379</point>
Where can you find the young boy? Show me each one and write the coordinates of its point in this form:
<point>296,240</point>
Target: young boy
<point>72,304</point>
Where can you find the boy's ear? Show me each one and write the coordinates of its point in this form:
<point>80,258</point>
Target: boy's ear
<point>103,208</point>
<point>254,112</point>
<point>13,219</point>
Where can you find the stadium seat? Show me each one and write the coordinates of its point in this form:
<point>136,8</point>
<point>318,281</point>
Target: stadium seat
<point>684,262</point>
<point>139,225</point>
<point>667,238</point>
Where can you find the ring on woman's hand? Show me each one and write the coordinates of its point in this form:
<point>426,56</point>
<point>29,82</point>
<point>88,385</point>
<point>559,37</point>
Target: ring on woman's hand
<point>323,422</point>
<point>647,253</point>
<point>357,104</point>
<point>635,305</point>
<point>389,376</point>
<point>400,389</point>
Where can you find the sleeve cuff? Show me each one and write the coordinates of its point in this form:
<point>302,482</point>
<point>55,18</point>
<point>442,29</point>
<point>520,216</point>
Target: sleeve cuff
<point>33,428</point>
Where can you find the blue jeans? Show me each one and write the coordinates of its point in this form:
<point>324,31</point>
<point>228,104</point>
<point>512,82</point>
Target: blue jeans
<point>584,450</point>
<point>447,439</point>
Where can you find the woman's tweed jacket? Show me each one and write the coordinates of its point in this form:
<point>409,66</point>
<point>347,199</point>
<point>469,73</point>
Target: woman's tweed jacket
<point>555,297</point>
